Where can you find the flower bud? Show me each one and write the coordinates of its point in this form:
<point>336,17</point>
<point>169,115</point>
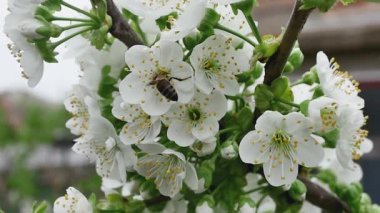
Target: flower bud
<point>44,12</point>
<point>310,77</point>
<point>229,150</point>
<point>204,148</point>
<point>298,190</point>
<point>269,45</point>
<point>296,58</point>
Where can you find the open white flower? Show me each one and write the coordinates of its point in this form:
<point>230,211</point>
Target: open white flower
<point>101,143</point>
<point>280,143</point>
<point>140,127</point>
<point>152,9</point>
<point>196,120</point>
<point>20,26</point>
<point>327,115</point>
<point>159,77</point>
<point>79,109</point>
<point>168,168</point>
<point>337,84</point>
<point>188,20</point>
<point>216,62</point>
<point>74,201</point>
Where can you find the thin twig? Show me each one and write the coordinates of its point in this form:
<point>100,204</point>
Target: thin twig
<point>318,196</point>
<point>120,28</point>
<point>276,63</point>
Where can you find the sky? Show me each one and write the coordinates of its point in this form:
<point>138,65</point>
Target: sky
<point>56,81</point>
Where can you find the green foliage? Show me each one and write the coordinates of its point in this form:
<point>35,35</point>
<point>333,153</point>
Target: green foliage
<point>269,45</point>
<point>40,207</point>
<point>274,97</point>
<point>298,190</point>
<point>245,6</point>
<point>208,22</point>
<point>295,60</point>
<point>322,5</point>
<point>54,5</point>
<point>331,138</point>
<point>46,50</point>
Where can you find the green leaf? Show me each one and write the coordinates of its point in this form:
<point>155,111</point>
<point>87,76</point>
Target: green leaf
<point>208,22</point>
<point>40,208</point>
<point>164,21</point>
<point>245,118</point>
<point>54,5</point>
<point>322,5</point>
<point>279,86</point>
<point>331,138</point>
<point>263,97</point>
<point>304,107</point>
<point>46,50</point>
<point>347,2</point>
<point>244,6</point>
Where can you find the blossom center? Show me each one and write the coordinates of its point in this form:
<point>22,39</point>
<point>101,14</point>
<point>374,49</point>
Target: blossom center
<point>211,65</point>
<point>194,114</point>
<point>282,143</point>
<point>328,117</point>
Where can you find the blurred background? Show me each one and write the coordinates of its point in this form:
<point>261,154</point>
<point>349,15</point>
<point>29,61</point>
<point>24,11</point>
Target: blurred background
<point>36,162</point>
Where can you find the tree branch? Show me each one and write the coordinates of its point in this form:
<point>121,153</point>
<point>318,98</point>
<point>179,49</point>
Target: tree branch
<point>318,196</point>
<point>276,62</point>
<point>120,28</point>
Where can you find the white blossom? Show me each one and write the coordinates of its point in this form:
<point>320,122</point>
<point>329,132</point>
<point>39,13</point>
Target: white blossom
<point>337,84</point>
<point>216,62</point>
<point>101,144</point>
<point>140,127</point>
<point>196,120</point>
<point>280,143</point>
<point>149,68</point>
<point>79,109</point>
<point>20,26</point>
<point>168,168</point>
<point>327,115</point>
<point>204,148</point>
<point>74,201</point>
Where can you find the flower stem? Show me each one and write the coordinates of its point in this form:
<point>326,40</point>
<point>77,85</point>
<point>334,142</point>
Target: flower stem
<point>55,18</point>
<point>259,202</point>
<point>297,83</point>
<point>227,130</point>
<point>56,44</point>
<point>79,10</point>
<point>255,190</point>
<point>254,29</point>
<point>221,27</point>
<point>76,26</point>
<point>287,102</point>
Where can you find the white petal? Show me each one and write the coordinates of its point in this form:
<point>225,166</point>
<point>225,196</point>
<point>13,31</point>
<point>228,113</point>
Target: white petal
<point>167,52</point>
<point>191,178</point>
<point>132,89</point>
<point>152,148</point>
<point>202,82</point>
<point>227,84</point>
<point>280,173</point>
<point>310,153</point>
<point>206,128</point>
<point>180,133</point>
<point>140,60</point>
<point>252,148</point>
<point>155,104</point>
<point>269,121</point>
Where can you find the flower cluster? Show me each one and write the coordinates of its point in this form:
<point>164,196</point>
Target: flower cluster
<point>186,117</point>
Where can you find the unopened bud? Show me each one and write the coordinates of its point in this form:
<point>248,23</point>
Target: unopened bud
<point>229,150</point>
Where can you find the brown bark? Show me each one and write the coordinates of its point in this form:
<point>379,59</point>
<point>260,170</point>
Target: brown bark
<point>120,28</point>
<point>276,63</point>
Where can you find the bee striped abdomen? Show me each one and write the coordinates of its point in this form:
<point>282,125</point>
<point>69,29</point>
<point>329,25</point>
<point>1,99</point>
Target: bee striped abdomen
<point>167,90</point>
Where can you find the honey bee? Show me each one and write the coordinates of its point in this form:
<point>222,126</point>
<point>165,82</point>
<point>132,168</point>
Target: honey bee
<point>164,86</point>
